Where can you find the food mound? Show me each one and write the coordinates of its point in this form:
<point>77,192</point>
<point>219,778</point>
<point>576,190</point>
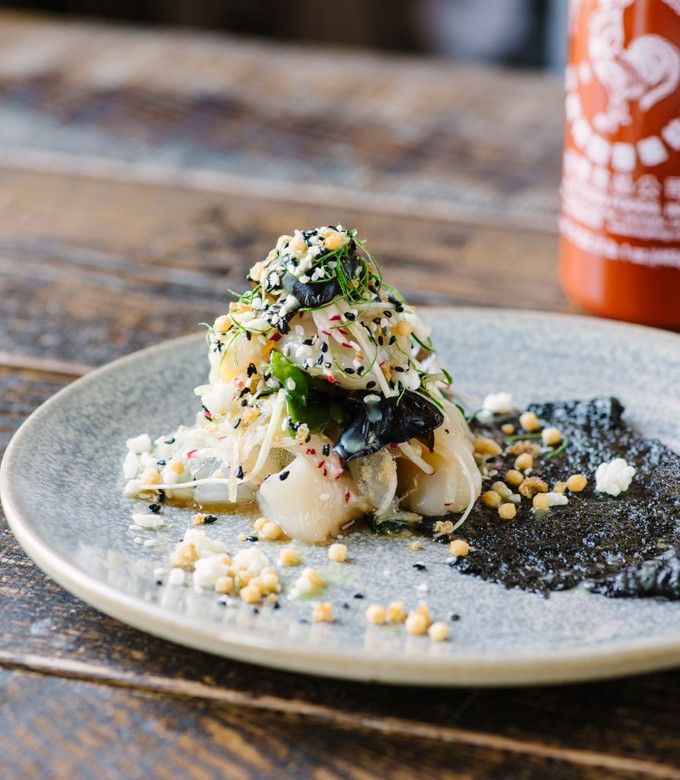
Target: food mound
<point>326,402</point>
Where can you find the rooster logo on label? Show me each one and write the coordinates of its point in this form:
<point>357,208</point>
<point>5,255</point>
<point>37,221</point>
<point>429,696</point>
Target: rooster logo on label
<point>644,71</point>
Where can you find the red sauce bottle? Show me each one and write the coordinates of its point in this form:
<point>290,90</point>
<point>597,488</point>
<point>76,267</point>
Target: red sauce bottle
<point>620,214</point>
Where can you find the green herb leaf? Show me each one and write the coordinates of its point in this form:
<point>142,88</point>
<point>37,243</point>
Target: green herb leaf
<point>305,397</point>
<point>392,524</point>
<point>561,448</point>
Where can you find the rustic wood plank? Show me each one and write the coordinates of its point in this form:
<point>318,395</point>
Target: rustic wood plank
<point>53,727</point>
<point>45,629</point>
<point>141,174</point>
<point>395,133</point>
<point>91,269</point>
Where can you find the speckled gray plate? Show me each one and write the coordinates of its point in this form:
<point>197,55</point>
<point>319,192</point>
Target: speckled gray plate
<point>61,489</point>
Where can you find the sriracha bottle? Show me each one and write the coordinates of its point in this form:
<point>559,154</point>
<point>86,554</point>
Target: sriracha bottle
<point>620,195</point>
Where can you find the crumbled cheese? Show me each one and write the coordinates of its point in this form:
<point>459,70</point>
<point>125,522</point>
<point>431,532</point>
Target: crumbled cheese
<point>130,465</point>
<point>556,499</point>
<point>203,543</point>
<point>147,460</point>
<point>132,487</point>
<point>148,521</point>
<point>496,403</point>
<point>614,477</point>
<point>251,560</point>
<point>307,584</point>
<point>139,444</point>
<point>209,569</point>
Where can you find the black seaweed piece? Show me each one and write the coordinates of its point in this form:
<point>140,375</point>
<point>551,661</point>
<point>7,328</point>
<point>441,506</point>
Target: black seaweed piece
<point>388,421</point>
<point>659,576</point>
<point>312,295</point>
<point>612,545</point>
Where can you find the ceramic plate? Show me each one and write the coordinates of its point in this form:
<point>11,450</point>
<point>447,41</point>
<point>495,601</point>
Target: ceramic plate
<point>61,489</point>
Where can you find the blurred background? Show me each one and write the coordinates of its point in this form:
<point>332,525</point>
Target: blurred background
<point>528,33</point>
<point>151,151</point>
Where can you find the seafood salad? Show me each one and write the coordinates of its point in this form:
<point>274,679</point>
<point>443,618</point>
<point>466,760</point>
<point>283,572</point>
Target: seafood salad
<point>325,403</point>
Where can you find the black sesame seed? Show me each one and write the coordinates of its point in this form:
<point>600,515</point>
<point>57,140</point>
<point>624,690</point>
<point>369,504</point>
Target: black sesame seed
<point>303,620</point>
<point>346,606</point>
<point>400,369</point>
<point>284,475</point>
<point>160,462</point>
<point>169,441</point>
<point>392,340</point>
<point>252,538</point>
<point>239,472</point>
<point>255,611</point>
<point>454,616</point>
<point>376,320</point>
<point>381,341</point>
<point>326,450</point>
<point>210,519</point>
<point>160,496</point>
<point>419,566</point>
<point>307,342</point>
<point>387,313</point>
<point>155,508</point>
<point>324,347</point>
<point>370,384</point>
<point>237,423</point>
<point>249,335</point>
<point>350,316</point>
<point>159,582</point>
<point>328,365</point>
<point>358,595</point>
<point>319,360</point>
<point>245,390</point>
<point>349,370</point>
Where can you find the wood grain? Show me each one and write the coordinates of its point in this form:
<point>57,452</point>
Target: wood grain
<point>91,269</point>
<point>322,126</point>
<point>44,629</point>
<point>53,727</point>
<point>141,173</point>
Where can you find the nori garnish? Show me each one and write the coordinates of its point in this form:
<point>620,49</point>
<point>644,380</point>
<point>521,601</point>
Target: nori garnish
<point>623,546</point>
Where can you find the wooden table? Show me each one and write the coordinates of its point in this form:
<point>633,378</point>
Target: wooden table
<point>140,175</point>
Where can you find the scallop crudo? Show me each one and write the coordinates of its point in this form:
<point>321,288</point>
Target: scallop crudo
<point>325,403</point>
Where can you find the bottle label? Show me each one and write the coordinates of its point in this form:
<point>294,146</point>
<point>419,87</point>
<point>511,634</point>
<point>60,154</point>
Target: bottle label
<point>621,168</point>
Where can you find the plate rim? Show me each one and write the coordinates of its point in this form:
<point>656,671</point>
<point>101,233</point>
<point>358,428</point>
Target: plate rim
<point>549,667</point>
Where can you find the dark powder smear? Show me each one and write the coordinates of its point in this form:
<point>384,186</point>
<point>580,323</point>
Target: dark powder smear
<point>627,545</point>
